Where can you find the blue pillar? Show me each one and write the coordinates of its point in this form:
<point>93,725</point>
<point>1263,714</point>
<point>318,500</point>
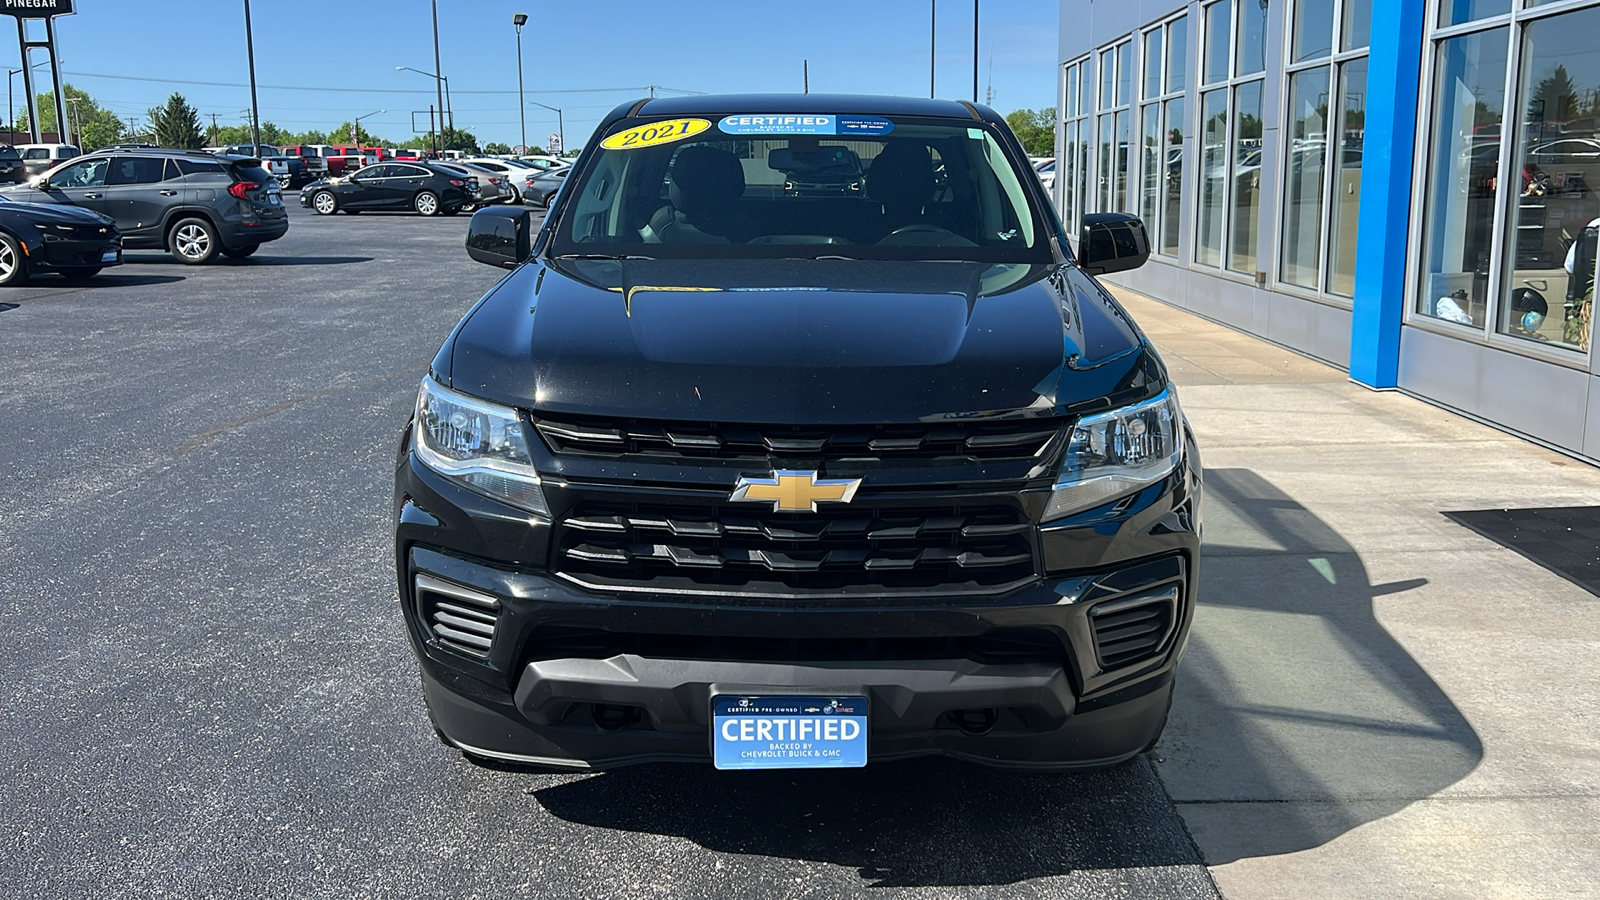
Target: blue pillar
<point>1388,151</point>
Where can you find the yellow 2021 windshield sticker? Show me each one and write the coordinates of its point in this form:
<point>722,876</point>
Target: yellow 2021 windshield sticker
<point>655,133</point>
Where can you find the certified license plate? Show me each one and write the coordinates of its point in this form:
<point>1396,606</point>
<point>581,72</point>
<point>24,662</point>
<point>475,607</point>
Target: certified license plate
<point>750,732</point>
<point>109,256</point>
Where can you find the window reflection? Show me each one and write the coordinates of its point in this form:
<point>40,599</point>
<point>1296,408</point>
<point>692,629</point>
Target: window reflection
<point>1558,163</point>
<point>1463,162</point>
<point>1213,176</point>
<point>1346,210</point>
<point>1246,176</point>
<point>1173,194</point>
<point>1308,148</point>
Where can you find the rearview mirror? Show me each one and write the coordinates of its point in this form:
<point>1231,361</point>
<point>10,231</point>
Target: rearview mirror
<point>500,236</point>
<point>1112,242</point>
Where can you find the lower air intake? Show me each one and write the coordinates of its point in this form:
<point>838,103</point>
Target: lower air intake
<point>457,617</point>
<point>1133,629</point>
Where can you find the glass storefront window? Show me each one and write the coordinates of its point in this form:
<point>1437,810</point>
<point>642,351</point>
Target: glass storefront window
<point>1356,32</point>
<point>1454,12</point>
<point>1219,35</point>
<point>1177,55</point>
<point>1119,201</point>
<point>1246,177</point>
<point>1552,196</point>
<point>1251,54</point>
<point>1213,176</point>
<point>1307,130</point>
<point>1152,64</point>
<point>1173,164</point>
<point>1107,134</point>
<point>1071,104</point>
<point>1463,166</point>
<point>1108,79</point>
<point>1312,30</point>
<point>1346,209</point>
<point>1150,150</point>
<point>1124,72</point>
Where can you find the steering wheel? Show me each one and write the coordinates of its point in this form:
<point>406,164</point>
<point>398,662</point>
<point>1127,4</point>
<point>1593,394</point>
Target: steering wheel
<point>921,228</point>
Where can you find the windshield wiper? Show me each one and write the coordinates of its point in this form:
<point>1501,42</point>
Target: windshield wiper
<point>600,256</point>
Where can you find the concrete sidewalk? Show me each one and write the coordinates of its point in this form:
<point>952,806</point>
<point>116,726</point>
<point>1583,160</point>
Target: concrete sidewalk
<point>1376,702</point>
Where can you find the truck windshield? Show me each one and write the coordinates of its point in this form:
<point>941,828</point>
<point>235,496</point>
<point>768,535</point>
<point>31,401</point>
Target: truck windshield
<point>859,187</point>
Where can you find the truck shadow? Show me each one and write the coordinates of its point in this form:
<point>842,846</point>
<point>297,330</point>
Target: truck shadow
<point>1298,717</point>
<point>1291,691</point>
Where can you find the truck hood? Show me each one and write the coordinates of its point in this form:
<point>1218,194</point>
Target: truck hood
<point>799,341</point>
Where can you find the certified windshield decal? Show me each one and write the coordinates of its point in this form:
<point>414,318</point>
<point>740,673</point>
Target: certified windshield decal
<point>655,133</point>
<point>803,123</point>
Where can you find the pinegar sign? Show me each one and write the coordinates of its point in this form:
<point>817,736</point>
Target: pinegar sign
<point>36,9</point>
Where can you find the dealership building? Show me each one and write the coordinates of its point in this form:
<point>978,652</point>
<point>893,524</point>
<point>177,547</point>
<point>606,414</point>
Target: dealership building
<point>1407,190</point>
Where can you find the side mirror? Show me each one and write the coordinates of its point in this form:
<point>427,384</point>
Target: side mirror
<point>1112,242</point>
<point>41,183</point>
<point>500,236</point>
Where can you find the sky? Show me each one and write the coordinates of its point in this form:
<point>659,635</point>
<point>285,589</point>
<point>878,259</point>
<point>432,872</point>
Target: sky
<point>322,62</point>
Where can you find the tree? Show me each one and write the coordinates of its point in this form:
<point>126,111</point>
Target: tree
<point>456,139</point>
<point>92,126</point>
<point>177,124</point>
<point>1036,129</point>
<point>494,148</point>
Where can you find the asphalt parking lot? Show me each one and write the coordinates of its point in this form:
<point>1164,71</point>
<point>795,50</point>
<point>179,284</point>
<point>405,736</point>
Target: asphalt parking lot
<point>209,691</point>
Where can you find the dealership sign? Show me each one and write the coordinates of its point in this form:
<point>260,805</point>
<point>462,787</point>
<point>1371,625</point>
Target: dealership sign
<point>36,9</point>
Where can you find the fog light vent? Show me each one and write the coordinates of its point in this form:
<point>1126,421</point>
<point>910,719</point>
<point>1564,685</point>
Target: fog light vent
<point>460,618</point>
<point>1133,629</point>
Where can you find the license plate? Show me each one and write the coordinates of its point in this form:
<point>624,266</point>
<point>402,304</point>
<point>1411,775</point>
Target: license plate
<point>781,732</point>
<point>109,256</point>
<point>274,199</point>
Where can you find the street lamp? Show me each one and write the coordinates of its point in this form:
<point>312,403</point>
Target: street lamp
<point>255,104</point>
<point>519,20</point>
<point>444,103</point>
<point>561,127</point>
<point>355,128</point>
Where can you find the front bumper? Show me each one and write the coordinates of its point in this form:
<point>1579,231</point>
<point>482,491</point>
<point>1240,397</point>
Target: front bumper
<point>577,676</point>
<point>79,252</point>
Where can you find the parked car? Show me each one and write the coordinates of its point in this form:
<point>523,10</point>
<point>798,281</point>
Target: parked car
<point>492,187</point>
<point>193,204</point>
<point>717,473</point>
<point>40,157</point>
<point>13,168</point>
<point>288,170</point>
<point>540,188</point>
<point>343,160</point>
<point>36,237</point>
<point>545,162</point>
<point>314,166</point>
<point>424,188</point>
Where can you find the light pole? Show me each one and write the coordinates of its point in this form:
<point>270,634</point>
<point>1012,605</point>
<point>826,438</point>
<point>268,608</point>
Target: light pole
<point>444,99</point>
<point>255,104</point>
<point>519,20</point>
<point>357,126</point>
<point>974,51</point>
<point>933,41</point>
<point>440,85</point>
<point>11,100</point>
<point>561,128</point>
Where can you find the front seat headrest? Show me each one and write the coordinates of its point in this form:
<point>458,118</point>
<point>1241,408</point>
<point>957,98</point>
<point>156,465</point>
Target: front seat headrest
<point>705,179</point>
<point>901,177</point>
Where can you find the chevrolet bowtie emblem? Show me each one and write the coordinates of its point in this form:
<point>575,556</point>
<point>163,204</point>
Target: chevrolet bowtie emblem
<point>792,491</point>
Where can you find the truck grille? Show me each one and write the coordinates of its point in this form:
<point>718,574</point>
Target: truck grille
<point>863,551</point>
<point>967,441</point>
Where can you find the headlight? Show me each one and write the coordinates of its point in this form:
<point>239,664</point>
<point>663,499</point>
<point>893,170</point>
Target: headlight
<point>477,444</point>
<point>1117,453</point>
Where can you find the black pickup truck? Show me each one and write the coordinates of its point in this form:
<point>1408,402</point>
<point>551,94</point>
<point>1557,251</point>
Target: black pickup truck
<point>727,472</point>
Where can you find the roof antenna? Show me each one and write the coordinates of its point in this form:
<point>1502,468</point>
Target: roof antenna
<point>805,75</point>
